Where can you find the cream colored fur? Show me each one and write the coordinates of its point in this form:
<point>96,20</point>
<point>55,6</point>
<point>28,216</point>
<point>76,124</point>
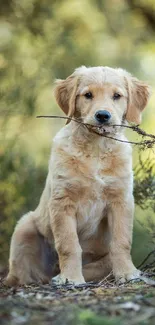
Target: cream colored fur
<point>86,210</point>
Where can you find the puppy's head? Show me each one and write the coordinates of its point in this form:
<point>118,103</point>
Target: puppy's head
<point>102,96</point>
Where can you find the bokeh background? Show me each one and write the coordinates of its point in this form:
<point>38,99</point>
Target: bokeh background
<point>41,40</point>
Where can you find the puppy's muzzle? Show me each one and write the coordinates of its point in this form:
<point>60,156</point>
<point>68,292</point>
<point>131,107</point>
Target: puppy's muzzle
<point>102,116</point>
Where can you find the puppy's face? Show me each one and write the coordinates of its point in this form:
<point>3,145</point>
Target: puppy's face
<point>101,101</point>
<point>102,96</point>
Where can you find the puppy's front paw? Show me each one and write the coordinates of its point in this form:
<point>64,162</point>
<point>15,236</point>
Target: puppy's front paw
<point>62,279</point>
<point>130,276</point>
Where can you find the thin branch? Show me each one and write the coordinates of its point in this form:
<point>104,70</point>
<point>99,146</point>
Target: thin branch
<point>62,117</point>
<point>146,143</point>
<point>136,129</point>
<point>146,258</point>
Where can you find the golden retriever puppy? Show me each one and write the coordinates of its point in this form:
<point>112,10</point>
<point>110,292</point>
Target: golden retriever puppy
<point>82,227</point>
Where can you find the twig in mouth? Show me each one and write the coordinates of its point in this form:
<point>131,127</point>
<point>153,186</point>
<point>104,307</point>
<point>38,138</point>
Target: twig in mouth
<point>136,129</point>
<point>145,143</point>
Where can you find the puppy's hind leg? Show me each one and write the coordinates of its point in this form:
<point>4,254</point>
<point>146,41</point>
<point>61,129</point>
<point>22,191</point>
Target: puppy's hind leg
<point>25,263</point>
<point>98,270</point>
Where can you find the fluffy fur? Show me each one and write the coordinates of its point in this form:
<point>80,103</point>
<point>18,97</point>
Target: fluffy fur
<point>82,227</point>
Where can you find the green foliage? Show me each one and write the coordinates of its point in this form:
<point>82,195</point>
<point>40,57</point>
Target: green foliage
<point>144,191</point>
<point>20,186</point>
<point>89,318</point>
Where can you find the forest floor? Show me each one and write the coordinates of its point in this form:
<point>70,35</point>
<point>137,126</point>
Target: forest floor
<point>91,304</point>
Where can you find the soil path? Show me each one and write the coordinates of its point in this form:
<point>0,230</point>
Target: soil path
<point>92,304</point>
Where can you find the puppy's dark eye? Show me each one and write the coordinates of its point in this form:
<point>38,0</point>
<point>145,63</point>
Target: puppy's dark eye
<point>116,96</point>
<point>88,95</point>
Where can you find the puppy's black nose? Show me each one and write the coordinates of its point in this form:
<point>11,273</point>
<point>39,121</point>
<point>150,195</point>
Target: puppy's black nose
<point>102,116</point>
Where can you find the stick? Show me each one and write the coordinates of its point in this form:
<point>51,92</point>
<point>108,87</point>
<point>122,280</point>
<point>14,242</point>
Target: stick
<point>146,258</point>
<point>149,143</point>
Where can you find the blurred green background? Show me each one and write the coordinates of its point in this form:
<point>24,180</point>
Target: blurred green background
<point>41,40</point>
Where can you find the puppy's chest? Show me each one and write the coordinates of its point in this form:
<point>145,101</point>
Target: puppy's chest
<point>104,172</point>
<point>101,180</point>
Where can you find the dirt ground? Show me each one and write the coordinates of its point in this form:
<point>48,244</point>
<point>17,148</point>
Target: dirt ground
<point>90,304</point>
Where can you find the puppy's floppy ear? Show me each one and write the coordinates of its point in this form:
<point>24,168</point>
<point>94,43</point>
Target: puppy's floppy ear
<point>138,95</point>
<point>65,94</point>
